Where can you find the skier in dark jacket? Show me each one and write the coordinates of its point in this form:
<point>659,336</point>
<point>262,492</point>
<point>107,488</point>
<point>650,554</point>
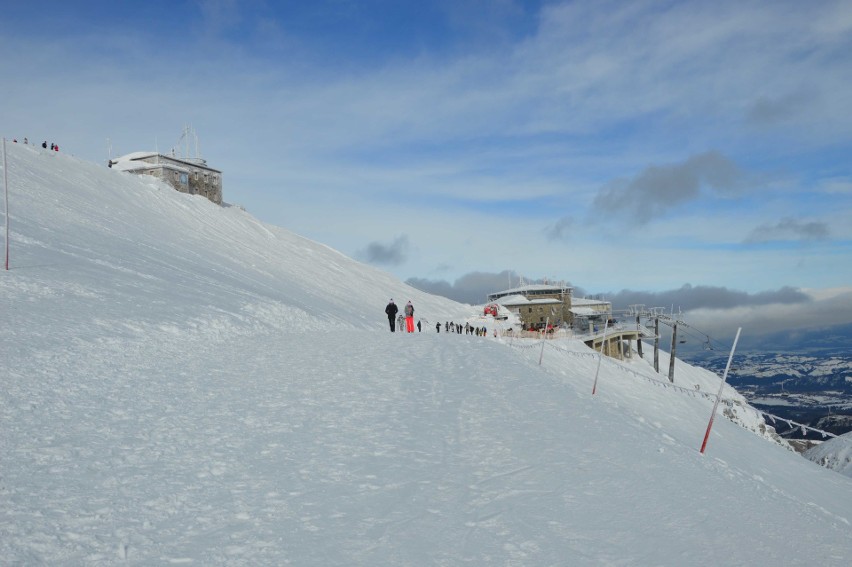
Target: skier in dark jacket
<point>391,311</point>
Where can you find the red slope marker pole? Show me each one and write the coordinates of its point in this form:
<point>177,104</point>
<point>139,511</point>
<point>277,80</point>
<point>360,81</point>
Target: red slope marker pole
<point>6,199</point>
<point>543,336</point>
<point>719,395</point>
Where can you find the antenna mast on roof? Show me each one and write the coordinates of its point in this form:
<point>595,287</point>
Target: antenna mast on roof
<point>186,139</point>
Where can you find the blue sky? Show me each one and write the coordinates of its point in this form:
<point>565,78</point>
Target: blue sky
<point>616,145</point>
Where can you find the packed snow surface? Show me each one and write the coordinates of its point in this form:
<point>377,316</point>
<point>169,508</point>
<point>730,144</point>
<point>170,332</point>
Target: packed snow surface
<point>835,454</point>
<point>183,384</point>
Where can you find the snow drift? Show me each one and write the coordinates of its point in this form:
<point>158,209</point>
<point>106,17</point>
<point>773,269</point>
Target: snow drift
<point>185,384</point>
<point>835,454</point>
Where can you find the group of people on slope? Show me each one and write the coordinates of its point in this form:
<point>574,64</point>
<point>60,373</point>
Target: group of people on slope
<point>54,147</point>
<point>391,310</point>
<point>467,329</point>
<point>449,327</point>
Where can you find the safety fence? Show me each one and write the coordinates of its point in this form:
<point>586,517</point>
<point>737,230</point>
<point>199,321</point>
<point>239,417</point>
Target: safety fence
<point>794,424</point>
<point>692,392</point>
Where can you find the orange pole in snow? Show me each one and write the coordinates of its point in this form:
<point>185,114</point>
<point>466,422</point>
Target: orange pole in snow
<point>6,199</point>
<point>719,395</point>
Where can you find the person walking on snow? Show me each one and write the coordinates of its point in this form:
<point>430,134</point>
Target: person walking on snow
<point>409,317</point>
<point>391,311</point>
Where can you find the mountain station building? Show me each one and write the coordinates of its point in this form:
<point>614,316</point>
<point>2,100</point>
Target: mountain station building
<point>187,175</point>
<point>537,304</point>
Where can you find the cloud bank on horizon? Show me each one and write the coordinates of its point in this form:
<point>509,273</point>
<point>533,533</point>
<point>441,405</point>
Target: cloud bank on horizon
<point>619,146</point>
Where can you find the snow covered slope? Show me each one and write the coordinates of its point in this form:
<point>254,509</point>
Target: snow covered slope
<point>182,384</point>
<point>835,454</point>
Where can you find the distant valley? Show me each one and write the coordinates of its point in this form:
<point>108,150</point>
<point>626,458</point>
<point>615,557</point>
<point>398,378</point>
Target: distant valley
<point>813,388</point>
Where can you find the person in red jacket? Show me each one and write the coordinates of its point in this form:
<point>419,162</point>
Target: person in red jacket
<point>409,317</point>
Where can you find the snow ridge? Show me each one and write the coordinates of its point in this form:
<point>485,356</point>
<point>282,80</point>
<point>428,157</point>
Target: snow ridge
<point>184,384</point>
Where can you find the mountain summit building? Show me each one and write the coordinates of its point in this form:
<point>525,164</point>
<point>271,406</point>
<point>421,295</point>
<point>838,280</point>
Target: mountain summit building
<point>185,174</point>
<point>537,304</point>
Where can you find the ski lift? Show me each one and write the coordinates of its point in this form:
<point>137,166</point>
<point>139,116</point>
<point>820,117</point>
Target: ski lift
<point>682,341</point>
<point>707,345</point>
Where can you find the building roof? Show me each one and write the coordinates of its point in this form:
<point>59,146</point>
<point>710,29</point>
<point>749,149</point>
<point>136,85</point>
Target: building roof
<point>137,165</point>
<point>531,289</point>
<point>520,300</point>
<point>585,312</point>
<point>132,165</point>
<point>509,300</point>
<point>133,156</point>
<point>138,156</point>
<point>534,287</point>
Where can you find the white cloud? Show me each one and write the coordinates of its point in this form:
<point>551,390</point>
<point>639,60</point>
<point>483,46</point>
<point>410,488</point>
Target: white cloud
<point>600,91</point>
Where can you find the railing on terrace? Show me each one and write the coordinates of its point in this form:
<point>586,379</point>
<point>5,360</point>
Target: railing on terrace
<point>580,335</point>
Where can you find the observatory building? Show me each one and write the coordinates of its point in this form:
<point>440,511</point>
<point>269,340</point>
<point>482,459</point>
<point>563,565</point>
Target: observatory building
<point>186,174</point>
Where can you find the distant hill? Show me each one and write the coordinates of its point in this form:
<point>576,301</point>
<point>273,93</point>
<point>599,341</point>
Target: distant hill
<point>813,387</point>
